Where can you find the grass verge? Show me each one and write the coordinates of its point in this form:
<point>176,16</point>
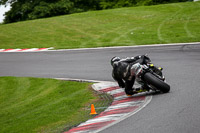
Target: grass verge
<point>42,105</point>
<point>167,23</point>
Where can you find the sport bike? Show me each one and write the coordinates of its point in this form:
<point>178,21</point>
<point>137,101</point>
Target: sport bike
<point>150,77</point>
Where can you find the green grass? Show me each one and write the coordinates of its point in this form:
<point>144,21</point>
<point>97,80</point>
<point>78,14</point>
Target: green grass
<point>168,23</point>
<point>41,105</point>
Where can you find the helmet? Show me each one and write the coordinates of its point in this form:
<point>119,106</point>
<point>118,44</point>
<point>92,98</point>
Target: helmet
<point>114,59</point>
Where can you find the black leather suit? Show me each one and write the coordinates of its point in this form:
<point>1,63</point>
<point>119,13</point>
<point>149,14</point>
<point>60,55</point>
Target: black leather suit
<point>122,71</point>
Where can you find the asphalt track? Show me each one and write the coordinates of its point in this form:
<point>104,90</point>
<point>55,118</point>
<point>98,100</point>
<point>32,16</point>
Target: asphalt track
<point>174,112</point>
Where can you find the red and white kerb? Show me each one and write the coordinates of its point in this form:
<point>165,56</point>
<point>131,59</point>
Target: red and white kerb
<point>121,108</point>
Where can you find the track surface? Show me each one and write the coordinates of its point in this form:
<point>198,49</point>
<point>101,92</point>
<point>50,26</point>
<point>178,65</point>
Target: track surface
<point>177,111</point>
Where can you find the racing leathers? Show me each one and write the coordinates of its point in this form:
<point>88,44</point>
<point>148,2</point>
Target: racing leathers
<point>123,71</point>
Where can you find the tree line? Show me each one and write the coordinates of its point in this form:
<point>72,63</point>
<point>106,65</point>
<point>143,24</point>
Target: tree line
<point>22,10</point>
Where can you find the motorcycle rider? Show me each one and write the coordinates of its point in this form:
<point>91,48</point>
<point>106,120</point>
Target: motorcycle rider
<point>125,74</point>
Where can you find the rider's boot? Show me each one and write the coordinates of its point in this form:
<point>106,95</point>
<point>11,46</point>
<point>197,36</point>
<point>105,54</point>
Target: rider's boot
<point>135,91</point>
<point>131,92</point>
<point>143,88</point>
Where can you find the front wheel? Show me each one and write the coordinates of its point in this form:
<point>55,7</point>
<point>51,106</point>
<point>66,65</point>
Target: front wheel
<point>156,82</point>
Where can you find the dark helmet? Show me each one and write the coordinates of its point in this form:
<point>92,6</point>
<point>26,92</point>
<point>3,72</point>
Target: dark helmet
<point>114,59</point>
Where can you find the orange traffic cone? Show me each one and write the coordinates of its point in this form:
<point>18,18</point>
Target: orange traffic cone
<point>93,112</point>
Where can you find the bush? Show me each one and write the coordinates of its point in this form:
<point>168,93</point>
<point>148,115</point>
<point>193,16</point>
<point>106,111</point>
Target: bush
<point>45,9</point>
<point>108,4</point>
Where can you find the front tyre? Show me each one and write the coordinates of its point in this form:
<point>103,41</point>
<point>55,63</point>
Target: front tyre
<point>156,82</point>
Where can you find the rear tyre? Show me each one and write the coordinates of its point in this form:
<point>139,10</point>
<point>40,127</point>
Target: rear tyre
<point>156,82</point>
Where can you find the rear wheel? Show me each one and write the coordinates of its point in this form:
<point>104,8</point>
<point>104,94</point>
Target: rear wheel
<point>156,82</point>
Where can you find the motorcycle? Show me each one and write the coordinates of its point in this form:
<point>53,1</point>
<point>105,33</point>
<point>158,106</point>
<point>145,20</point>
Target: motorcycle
<point>150,77</point>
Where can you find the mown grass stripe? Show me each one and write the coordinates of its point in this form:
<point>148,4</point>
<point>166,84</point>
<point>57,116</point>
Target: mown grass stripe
<point>41,105</point>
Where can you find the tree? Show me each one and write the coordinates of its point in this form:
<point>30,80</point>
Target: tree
<point>32,9</point>
<point>46,9</point>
